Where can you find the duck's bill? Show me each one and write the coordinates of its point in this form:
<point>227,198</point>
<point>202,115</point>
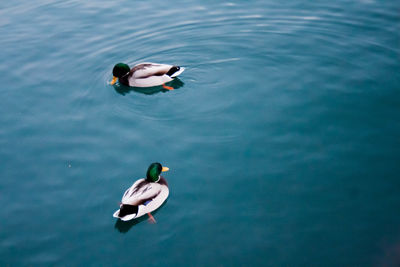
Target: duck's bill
<point>165,169</point>
<point>114,80</point>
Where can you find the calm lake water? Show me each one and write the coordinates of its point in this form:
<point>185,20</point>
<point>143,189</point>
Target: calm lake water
<point>283,135</point>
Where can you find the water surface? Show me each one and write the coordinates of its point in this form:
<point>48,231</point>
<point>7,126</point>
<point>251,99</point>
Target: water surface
<point>282,136</point>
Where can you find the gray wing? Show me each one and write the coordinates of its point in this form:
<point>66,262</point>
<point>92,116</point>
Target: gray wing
<point>139,193</point>
<point>145,70</point>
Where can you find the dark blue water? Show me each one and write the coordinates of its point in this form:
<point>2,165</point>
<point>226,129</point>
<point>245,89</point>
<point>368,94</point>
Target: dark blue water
<point>282,136</point>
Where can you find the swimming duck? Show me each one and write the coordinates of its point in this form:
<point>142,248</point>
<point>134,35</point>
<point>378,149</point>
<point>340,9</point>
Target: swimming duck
<point>145,195</point>
<point>145,74</point>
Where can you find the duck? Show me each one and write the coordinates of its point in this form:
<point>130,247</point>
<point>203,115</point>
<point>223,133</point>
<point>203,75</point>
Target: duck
<point>145,74</point>
<point>145,195</point>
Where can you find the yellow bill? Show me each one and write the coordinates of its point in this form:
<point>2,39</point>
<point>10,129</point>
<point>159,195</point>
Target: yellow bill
<point>114,80</point>
<point>165,169</point>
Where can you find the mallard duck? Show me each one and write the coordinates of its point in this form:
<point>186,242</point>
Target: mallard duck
<point>145,195</point>
<point>145,74</point>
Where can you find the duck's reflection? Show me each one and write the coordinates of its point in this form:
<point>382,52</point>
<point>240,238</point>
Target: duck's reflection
<point>124,227</point>
<point>123,89</point>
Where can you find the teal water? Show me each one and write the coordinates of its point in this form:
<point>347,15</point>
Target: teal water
<point>282,136</point>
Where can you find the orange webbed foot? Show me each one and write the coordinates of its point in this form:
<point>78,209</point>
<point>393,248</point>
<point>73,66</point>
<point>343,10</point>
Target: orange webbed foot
<point>167,87</point>
<point>151,218</point>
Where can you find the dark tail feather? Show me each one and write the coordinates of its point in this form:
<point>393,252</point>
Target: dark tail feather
<point>126,209</point>
<point>173,70</point>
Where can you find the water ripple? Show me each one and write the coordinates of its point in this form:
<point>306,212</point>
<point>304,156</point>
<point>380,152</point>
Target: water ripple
<point>275,96</point>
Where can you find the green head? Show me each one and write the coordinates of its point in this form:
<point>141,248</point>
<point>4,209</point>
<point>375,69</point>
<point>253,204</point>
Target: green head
<point>120,70</point>
<point>154,171</point>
